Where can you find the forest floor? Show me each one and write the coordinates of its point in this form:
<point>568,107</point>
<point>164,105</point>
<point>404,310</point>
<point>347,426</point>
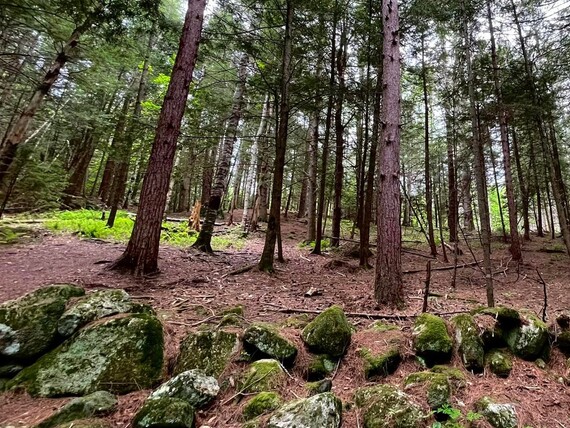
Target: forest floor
<point>193,287</point>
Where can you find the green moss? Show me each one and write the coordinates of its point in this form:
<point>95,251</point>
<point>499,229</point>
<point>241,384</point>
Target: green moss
<point>120,355</point>
<point>440,382</point>
<point>263,340</point>
<point>499,362</point>
<point>96,404</point>
<point>231,320</point>
<point>469,344</point>
<point>297,321</point>
<point>236,310</point>
<point>452,373</point>
<point>263,375</point>
<point>319,387</point>
<point>432,343</point>
<point>530,340</point>
<point>381,327</point>
<point>209,351</point>
<point>381,365</point>
<point>319,411</point>
<point>165,412</point>
<point>262,403</point>
<point>329,333</point>
<point>506,317</point>
<point>387,407</point>
<point>320,367</point>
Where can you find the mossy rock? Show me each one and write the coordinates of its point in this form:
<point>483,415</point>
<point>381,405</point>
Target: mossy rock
<point>469,344</point>
<point>164,412</point>
<point>500,362</point>
<point>262,403</point>
<point>320,367</point>
<point>28,325</point>
<point>498,415</point>
<point>10,370</point>
<point>530,340</point>
<point>329,333</point>
<point>380,365</point>
<point>97,404</point>
<point>231,319</point>
<point>438,387</point>
<point>193,386</point>
<point>253,423</point>
<point>380,327</point>
<point>432,343</point>
<point>264,341</point>
<point>263,375</point>
<point>319,411</point>
<point>319,386</point>
<point>506,317</point>
<point>119,355</point>
<point>235,310</point>
<point>385,406</point>
<point>86,423</point>
<point>97,305</point>
<point>297,321</point>
<point>563,342</point>
<point>210,351</point>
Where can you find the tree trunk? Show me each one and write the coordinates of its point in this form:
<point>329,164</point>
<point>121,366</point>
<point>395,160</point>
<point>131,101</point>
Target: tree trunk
<point>141,254</point>
<point>388,286</point>
<point>204,241</point>
<point>274,221</point>
<point>452,211</point>
<point>312,175</point>
<point>80,164</point>
<point>523,187</point>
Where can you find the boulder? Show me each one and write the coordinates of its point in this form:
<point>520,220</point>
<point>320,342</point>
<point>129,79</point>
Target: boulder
<point>263,375</point>
<point>264,341</point>
<point>319,387</point>
<point>563,342</point>
<point>468,342</point>
<point>94,306</point>
<point>530,340</point>
<point>320,366</point>
<point>440,383</point>
<point>385,406</point>
<point>209,351</point>
<point>96,404</point>
<point>193,386</point>
<point>500,362</point>
<point>262,403</point>
<point>563,320</point>
<point>380,365</point>
<point>431,341</point>
<point>28,325</point>
<point>498,415</point>
<point>164,412</point>
<point>329,333</point>
<point>119,355</point>
<point>319,411</point>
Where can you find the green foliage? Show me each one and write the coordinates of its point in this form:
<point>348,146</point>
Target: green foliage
<point>455,417</point>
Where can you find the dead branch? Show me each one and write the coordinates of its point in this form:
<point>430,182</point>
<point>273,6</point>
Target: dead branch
<point>545,295</point>
<point>239,270</point>
<point>442,268</point>
<point>426,291</point>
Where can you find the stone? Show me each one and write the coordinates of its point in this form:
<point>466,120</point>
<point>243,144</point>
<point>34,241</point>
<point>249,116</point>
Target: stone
<point>329,333</point>
<point>319,411</point>
<point>498,415</point>
<point>10,370</point>
<point>118,355</point>
<point>380,327</point>
<point>385,406</point>
<point>469,344</point>
<point>210,351</point>
<point>563,320</point>
<point>86,423</point>
<point>563,342</point>
<point>506,317</point>
<point>320,367</point>
<point>500,362</point>
<point>94,306</point>
<point>97,404</point>
<point>263,375</point>
<point>319,387</point>
<point>262,403</point>
<point>440,384</point>
<point>164,412</point>
<point>530,340</point>
<point>431,341</point>
<point>28,325</point>
<point>380,365</point>
<point>193,386</point>
<point>264,341</point>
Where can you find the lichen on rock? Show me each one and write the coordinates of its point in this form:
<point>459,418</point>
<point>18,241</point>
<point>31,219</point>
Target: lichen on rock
<point>262,403</point>
<point>164,412</point>
<point>439,385</point>
<point>263,375</point>
<point>209,351</point>
<point>498,415</point>
<point>329,333</point>
<point>193,386</point>
<point>380,365</point>
<point>469,344</point>
<point>530,340</point>
<point>432,343</point>
<point>319,411</point>
<point>265,341</point>
<point>320,366</point>
<point>119,355</point>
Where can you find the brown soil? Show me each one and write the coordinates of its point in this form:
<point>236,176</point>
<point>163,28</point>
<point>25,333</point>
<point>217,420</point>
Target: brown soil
<point>194,287</point>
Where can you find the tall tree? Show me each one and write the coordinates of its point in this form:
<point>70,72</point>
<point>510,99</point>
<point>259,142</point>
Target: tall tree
<point>388,285</point>
<point>141,254</point>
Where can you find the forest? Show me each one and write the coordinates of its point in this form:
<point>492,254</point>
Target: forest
<point>370,195</point>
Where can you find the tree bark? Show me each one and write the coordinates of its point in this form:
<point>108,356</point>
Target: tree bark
<point>141,254</point>
<point>388,286</point>
<point>204,240</point>
<point>312,175</point>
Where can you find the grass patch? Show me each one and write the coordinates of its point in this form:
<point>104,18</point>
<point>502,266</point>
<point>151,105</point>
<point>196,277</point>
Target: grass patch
<point>89,224</point>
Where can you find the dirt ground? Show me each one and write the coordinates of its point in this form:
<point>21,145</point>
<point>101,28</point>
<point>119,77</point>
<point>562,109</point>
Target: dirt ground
<point>193,287</point>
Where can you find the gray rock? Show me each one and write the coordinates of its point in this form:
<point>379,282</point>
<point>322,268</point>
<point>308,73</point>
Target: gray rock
<point>264,340</point>
<point>28,325</point>
<point>498,415</point>
<point>319,411</point>
<point>96,404</point>
<point>193,386</point>
<point>119,355</point>
<point>432,342</point>
<point>468,342</point>
<point>530,340</point>
<point>165,412</point>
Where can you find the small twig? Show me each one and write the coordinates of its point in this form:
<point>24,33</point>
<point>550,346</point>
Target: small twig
<point>242,269</point>
<point>545,295</point>
<point>442,268</point>
<point>426,290</point>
